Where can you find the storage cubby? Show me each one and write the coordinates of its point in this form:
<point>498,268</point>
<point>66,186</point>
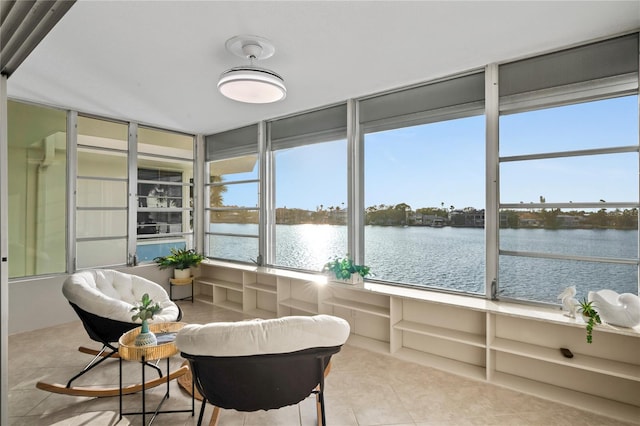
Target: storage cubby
<point>368,313</point>
<point>512,345</point>
<point>260,295</point>
<point>296,297</point>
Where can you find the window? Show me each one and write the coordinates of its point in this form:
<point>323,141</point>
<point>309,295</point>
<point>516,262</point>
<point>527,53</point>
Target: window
<point>37,189</point>
<point>233,187</point>
<point>569,172</point>
<point>101,193</point>
<point>164,192</point>
<point>311,209</point>
<point>310,168</point>
<point>424,185</point>
<point>569,219</point>
<point>424,199</point>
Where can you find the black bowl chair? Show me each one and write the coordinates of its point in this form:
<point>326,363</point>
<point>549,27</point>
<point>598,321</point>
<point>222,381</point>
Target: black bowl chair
<point>103,299</point>
<point>262,364</point>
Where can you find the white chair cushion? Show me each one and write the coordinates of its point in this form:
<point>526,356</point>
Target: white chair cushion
<point>112,294</point>
<point>256,337</point>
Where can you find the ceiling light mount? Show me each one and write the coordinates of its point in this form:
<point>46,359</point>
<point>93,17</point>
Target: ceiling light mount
<point>249,83</point>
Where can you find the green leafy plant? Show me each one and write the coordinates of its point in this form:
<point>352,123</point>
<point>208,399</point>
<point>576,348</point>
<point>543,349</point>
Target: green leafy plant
<point>343,267</point>
<point>179,259</point>
<point>591,316</point>
<point>146,309</point>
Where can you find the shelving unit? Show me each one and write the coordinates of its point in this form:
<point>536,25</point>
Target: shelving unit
<point>512,345</point>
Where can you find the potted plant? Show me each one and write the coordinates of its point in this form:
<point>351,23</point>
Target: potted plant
<point>181,260</point>
<point>345,270</point>
<point>145,312</point>
<point>590,316</point>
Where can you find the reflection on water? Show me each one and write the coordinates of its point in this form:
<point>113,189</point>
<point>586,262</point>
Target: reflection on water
<point>454,258</point>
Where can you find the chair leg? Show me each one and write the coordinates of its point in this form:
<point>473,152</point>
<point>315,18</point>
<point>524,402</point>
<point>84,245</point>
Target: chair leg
<point>215,416</point>
<point>99,358</point>
<point>201,415</point>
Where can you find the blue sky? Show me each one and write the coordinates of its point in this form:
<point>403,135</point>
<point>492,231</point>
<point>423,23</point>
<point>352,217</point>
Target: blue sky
<point>444,162</point>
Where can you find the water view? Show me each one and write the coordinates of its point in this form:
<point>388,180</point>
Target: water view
<point>453,258</point>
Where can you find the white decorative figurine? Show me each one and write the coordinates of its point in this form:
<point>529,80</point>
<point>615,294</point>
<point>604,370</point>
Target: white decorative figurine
<point>569,303</point>
<point>622,310</point>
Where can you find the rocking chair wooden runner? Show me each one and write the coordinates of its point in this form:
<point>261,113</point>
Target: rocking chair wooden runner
<point>102,299</point>
<point>262,364</point>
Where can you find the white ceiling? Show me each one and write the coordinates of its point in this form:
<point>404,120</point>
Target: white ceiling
<point>157,62</point>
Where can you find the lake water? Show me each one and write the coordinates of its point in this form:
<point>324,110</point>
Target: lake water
<point>453,258</point>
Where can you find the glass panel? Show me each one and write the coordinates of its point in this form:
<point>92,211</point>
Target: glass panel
<point>105,223</point>
<point>544,279</point>
<point>102,163</point>
<point>165,186</point>
<point>102,134</point>
<point>36,189</point>
<point>424,198</point>
<point>600,124</point>
<point>234,195</point>
<point>311,196</point>
<point>101,193</point>
<point>149,250</point>
<point>574,235</point>
<point>242,168</point>
<point>159,142</point>
<point>612,177</point>
<point>603,233</point>
<point>234,222</point>
<point>101,253</point>
<point>243,249</point>
<point>309,246</point>
<point>241,221</point>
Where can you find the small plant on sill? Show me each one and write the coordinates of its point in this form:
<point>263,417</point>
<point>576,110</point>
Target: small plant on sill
<point>179,259</point>
<point>591,317</point>
<point>343,267</point>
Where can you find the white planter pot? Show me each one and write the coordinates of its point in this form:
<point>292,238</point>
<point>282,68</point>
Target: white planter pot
<point>354,279</point>
<point>182,273</point>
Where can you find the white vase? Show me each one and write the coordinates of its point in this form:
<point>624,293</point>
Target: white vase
<point>182,274</point>
<point>354,279</point>
<point>146,337</point>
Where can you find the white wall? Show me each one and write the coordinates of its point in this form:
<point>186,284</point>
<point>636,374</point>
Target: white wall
<point>38,302</point>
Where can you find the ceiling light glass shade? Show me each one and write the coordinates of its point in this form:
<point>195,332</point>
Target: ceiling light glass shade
<point>252,85</point>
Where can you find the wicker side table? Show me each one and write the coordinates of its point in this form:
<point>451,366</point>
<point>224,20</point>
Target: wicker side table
<point>180,282</point>
<point>128,351</point>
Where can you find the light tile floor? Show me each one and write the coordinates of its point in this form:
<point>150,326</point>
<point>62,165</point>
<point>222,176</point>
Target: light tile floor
<point>364,388</point>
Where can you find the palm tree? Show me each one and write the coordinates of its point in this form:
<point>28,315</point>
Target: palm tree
<point>216,191</point>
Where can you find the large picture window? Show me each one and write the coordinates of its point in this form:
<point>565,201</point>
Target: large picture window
<point>424,198</point>
<point>37,189</point>
<point>569,195</point>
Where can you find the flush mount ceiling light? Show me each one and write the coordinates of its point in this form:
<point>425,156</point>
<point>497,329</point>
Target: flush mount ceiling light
<point>249,83</point>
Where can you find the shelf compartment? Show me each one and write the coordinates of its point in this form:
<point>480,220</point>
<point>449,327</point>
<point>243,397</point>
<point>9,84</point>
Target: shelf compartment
<point>300,305</point>
<point>442,333</point>
<point>220,283</point>
<point>368,343</point>
<point>262,287</point>
<point>584,362</point>
<point>441,363</point>
<point>358,306</point>
<point>204,298</point>
<point>227,304</point>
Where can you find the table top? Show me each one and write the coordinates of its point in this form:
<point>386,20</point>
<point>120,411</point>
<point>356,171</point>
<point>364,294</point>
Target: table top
<point>129,351</point>
<point>181,281</point>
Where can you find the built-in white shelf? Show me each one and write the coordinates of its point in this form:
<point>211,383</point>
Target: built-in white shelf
<point>509,344</point>
<point>441,363</point>
<point>262,287</point>
<point>227,304</point>
<point>300,305</point>
<point>442,333</point>
<point>220,283</point>
<point>581,361</point>
<point>358,306</point>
